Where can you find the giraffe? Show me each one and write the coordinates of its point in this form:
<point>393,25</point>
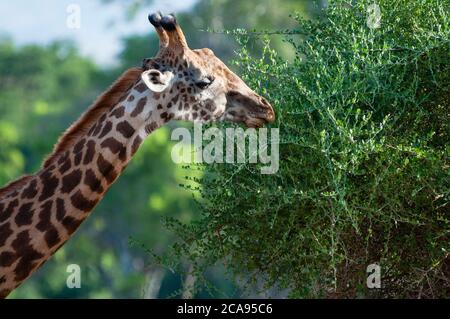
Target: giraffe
<point>40,212</point>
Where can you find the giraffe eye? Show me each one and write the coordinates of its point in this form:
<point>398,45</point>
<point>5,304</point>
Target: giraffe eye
<point>203,84</point>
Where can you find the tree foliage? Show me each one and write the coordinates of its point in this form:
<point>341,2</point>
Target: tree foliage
<point>364,161</point>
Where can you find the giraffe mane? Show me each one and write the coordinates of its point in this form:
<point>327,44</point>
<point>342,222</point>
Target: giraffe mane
<point>103,103</point>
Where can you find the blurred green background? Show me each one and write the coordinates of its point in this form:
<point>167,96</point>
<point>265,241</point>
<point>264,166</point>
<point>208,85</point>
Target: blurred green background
<point>45,86</point>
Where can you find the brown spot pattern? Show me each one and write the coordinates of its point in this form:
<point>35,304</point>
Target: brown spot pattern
<point>77,159</point>
<point>141,87</point>
<point>125,129</point>
<point>5,232</point>
<point>50,183</point>
<point>136,143</point>
<point>9,210</point>
<point>79,146</point>
<point>90,152</point>
<point>24,215</point>
<point>29,256</point>
<point>115,147</point>
<point>60,209</point>
<point>139,107</point>
<point>70,181</point>
<point>106,129</point>
<point>106,169</point>
<point>45,215</point>
<point>82,203</point>
<point>71,224</point>
<point>7,258</point>
<point>93,182</point>
<point>51,236</point>
<point>65,166</point>
<point>119,112</point>
<point>31,190</point>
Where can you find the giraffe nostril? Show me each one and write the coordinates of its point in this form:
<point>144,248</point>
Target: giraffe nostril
<point>265,103</point>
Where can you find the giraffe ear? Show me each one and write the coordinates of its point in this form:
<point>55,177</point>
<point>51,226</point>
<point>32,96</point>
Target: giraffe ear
<point>156,80</point>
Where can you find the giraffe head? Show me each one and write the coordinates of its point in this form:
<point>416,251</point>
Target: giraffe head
<point>198,86</point>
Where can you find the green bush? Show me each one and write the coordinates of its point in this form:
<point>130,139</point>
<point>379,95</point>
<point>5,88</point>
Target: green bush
<point>364,161</point>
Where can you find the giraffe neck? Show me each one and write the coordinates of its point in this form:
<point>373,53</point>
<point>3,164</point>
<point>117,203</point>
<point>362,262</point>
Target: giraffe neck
<point>37,218</point>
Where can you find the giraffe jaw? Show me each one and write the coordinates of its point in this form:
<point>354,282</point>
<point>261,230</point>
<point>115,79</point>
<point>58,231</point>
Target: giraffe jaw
<point>249,120</point>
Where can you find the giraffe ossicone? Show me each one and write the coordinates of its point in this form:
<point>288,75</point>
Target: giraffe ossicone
<point>39,213</point>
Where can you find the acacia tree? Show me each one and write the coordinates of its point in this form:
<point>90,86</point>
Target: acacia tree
<point>364,161</point>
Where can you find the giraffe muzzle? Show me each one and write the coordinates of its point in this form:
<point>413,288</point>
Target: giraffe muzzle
<point>251,109</point>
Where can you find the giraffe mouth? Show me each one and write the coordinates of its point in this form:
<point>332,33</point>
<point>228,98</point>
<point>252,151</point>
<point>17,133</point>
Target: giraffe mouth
<point>261,119</point>
<point>256,122</point>
<point>250,120</point>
